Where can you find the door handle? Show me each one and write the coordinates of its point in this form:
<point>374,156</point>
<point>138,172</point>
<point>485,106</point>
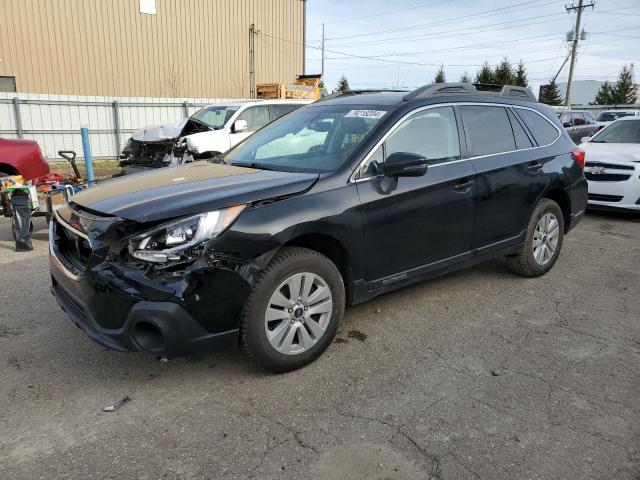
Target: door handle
<point>464,186</point>
<point>534,167</point>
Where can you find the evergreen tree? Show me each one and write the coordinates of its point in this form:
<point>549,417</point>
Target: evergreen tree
<point>625,92</point>
<point>465,77</point>
<point>485,74</point>
<point>440,78</point>
<point>604,95</point>
<point>343,85</point>
<point>520,78</point>
<point>503,74</point>
<point>551,95</point>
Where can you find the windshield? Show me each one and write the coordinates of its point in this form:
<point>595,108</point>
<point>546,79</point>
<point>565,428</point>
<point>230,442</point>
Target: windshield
<point>314,139</point>
<point>623,131</point>
<point>611,116</point>
<point>215,117</point>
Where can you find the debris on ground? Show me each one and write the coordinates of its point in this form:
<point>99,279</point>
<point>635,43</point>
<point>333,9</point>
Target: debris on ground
<point>116,406</point>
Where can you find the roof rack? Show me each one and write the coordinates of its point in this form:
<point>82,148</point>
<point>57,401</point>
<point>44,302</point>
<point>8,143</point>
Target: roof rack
<point>358,92</point>
<point>464,88</point>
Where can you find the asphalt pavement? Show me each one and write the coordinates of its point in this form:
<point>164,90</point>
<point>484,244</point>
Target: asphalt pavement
<point>477,375</point>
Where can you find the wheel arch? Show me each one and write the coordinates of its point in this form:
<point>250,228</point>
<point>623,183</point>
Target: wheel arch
<point>331,248</point>
<point>8,168</point>
<point>562,199</point>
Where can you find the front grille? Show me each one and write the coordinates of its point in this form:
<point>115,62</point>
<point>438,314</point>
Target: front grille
<point>72,248</point>
<point>607,177</point>
<point>604,198</point>
<point>609,165</point>
<point>147,154</point>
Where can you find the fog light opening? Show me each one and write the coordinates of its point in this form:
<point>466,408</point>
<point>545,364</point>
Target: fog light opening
<point>148,337</point>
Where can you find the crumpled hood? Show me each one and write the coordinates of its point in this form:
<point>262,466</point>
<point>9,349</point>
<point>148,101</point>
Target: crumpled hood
<point>601,152</point>
<point>189,189</point>
<point>157,133</point>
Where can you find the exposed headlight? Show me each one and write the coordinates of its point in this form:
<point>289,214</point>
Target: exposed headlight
<point>170,241</point>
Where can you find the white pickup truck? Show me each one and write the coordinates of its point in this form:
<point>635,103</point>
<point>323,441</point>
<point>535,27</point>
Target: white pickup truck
<point>207,133</point>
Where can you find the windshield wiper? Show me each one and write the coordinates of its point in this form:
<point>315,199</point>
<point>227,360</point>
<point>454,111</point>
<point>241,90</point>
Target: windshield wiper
<point>597,141</point>
<point>261,166</point>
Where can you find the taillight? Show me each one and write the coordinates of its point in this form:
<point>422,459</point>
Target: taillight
<point>578,156</point>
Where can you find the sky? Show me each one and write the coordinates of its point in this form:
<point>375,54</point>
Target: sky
<point>402,43</point>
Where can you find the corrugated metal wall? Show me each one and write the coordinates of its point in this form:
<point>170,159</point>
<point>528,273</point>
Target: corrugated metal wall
<point>190,48</point>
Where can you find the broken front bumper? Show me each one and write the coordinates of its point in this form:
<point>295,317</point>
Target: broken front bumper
<point>126,309</point>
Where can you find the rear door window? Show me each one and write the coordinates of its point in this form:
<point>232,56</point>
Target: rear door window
<point>544,133</point>
<point>488,130</point>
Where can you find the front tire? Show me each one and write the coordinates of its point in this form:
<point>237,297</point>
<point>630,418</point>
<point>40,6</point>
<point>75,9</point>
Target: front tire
<point>543,243</point>
<point>293,311</point>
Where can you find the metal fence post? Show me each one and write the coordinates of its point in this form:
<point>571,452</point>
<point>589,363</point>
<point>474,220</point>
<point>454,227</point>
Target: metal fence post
<point>185,107</point>
<point>88,158</point>
<point>116,125</point>
<point>16,111</point>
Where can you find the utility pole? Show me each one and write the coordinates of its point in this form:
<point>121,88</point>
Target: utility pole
<point>574,47</point>
<point>322,68</point>
<point>252,66</point>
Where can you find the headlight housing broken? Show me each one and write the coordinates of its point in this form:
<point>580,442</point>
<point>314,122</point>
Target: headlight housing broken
<point>170,242</point>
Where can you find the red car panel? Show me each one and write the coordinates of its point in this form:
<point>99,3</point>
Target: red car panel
<point>22,157</point>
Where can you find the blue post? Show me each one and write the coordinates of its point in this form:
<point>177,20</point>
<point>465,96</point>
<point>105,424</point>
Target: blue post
<point>88,159</point>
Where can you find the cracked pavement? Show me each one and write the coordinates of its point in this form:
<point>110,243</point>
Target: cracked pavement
<point>476,375</point>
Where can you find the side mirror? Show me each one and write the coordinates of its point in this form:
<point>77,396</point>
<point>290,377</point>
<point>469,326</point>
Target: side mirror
<point>240,126</point>
<point>566,124</point>
<point>405,164</point>
<point>585,139</point>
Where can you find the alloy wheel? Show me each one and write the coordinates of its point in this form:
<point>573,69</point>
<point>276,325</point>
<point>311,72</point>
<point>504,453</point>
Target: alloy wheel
<point>298,313</point>
<point>545,238</point>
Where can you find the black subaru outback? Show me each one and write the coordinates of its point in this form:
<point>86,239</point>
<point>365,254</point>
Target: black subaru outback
<point>329,206</point>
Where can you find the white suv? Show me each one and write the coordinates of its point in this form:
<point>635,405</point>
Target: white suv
<point>207,133</point>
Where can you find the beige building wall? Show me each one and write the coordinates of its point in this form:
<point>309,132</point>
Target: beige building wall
<point>189,48</point>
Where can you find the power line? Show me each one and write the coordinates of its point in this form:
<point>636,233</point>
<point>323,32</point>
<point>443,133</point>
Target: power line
<point>454,32</point>
<point>360,17</point>
<point>487,13</point>
<point>365,57</point>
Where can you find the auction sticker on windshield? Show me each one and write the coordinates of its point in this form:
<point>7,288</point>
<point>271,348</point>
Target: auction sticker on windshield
<point>365,114</point>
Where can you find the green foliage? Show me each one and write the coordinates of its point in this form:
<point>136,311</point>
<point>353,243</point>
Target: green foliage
<point>624,91</point>
<point>503,74</point>
<point>343,85</point>
<point>465,77</point>
<point>520,78</point>
<point>440,78</point>
<point>551,95</point>
<point>485,74</point>
<point>604,95</point>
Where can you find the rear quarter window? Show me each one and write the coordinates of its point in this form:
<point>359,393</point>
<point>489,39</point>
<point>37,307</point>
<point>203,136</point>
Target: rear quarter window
<point>544,133</point>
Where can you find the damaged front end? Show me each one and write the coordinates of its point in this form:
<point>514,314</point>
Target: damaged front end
<point>166,146</point>
<point>157,288</point>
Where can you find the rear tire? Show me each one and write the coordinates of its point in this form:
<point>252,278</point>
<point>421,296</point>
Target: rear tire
<point>293,311</point>
<point>543,242</point>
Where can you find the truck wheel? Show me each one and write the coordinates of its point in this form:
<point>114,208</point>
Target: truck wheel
<point>293,310</point>
<point>543,243</point>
